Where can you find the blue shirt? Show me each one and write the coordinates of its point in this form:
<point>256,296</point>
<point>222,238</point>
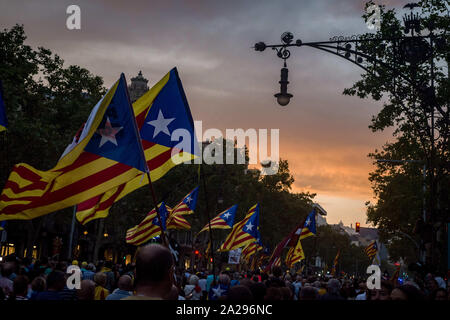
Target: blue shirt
<point>118,294</point>
<point>48,295</point>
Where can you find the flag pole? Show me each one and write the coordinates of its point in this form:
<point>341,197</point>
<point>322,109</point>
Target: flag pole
<point>209,226</point>
<point>152,191</point>
<point>72,228</point>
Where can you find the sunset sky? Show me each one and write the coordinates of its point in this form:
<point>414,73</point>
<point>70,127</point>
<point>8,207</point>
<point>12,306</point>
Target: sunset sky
<point>323,134</point>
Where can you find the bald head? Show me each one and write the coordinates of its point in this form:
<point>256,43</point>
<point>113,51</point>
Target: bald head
<point>125,283</point>
<point>153,265</point>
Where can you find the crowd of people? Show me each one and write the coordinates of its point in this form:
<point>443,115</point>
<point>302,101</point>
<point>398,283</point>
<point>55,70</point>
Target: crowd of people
<point>154,277</point>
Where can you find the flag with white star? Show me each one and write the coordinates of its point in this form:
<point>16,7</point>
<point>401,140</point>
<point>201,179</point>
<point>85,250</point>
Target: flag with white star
<point>244,232</point>
<point>169,118</point>
<point>187,204</point>
<point>167,130</point>
<point>149,227</point>
<point>309,228</point>
<point>223,220</point>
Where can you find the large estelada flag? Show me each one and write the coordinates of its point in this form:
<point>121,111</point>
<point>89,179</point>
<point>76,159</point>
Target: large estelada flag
<point>244,232</point>
<point>105,154</point>
<point>3,120</point>
<point>223,220</point>
<point>161,111</point>
<point>149,227</point>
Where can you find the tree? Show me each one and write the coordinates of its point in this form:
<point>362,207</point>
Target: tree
<point>413,106</point>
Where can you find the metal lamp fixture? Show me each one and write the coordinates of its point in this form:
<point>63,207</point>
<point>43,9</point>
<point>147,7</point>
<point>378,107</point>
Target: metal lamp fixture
<point>283,97</point>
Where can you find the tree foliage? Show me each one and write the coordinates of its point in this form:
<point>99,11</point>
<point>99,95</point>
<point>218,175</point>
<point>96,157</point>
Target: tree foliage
<point>412,105</point>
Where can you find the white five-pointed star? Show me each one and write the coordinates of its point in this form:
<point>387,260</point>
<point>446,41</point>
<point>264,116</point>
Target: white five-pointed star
<point>308,221</point>
<point>218,292</point>
<point>188,199</point>
<point>249,226</point>
<point>226,215</point>
<point>161,124</point>
<point>108,133</point>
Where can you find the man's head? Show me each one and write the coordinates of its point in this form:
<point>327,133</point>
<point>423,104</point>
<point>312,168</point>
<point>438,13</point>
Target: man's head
<point>125,283</point>
<point>308,293</point>
<point>56,280</point>
<point>20,285</point>
<point>384,293</point>
<point>154,269</point>
<point>333,286</point>
<point>87,290</point>
<point>100,279</point>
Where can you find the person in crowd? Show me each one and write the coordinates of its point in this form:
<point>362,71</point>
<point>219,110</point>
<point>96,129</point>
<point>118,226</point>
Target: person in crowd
<point>361,294</point>
<point>440,294</point>
<point>154,273</point>
<point>37,285</point>
<point>239,293</point>
<point>192,291</point>
<point>86,291</point>
<point>235,280</point>
<point>221,288</point>
<point>308,293</point>
<point>333,291</point>
<point>275,280</point>
<point>407,292</point>
<point>88,273</point>
<point>202,285</point>
<point>6,284</point>
<point>100,281</point>
<point>108,271</point>
<point>384,293</point>
<point>273,294</point>
<point>20,288</point>
<point>258,290</point>
<point>297,285</point>
<point>125,289</point>
<point>286,292</point>
<point>56,280</point>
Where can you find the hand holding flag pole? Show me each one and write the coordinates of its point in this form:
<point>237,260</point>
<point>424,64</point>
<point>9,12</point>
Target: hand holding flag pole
<point>155,202</point>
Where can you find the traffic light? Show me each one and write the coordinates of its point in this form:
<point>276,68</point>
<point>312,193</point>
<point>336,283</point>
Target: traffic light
<point>196,252</point>
<point>357,227</point>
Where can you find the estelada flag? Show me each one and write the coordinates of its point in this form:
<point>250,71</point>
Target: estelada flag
<point>244,232</point>
<point>149,227</point>
<point>187,204</point>
<point>309,228</point>
<point>223,220</point>
<point>161,111</point>
<point>106,154</point>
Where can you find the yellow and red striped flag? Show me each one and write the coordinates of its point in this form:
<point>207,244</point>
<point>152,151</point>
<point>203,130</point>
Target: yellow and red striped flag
<point>162,110</point>
<point>149,226</point>
<point>104,155</point>
<point>335,263</point>
<point>244,232</point>
<point>250,250</point>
